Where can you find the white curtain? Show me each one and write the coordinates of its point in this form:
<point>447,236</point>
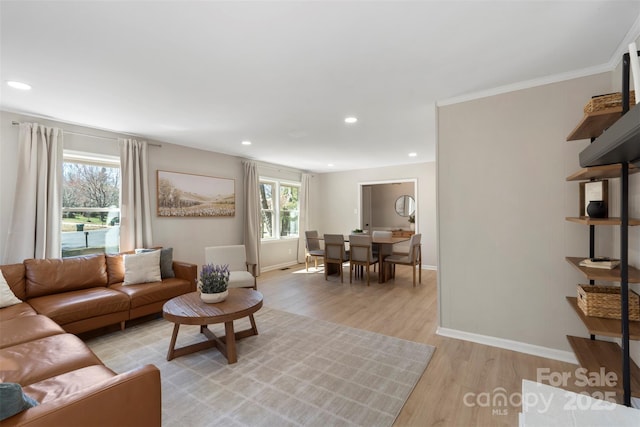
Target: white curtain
<point>135,211</point>
<point>252,213</point>
<point>304,215</point>
<point>35,222</point>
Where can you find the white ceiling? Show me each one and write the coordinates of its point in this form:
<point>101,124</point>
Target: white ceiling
<point>285,74</point>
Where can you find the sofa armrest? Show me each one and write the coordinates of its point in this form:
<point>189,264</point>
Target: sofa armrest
<point>186,271</point>
<point>129,399</point>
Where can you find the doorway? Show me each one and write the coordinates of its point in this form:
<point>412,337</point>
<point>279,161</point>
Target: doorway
<point>379,201</point>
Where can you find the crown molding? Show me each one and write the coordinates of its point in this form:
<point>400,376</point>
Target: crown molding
<point>527,84</point>
<point>632,35</point>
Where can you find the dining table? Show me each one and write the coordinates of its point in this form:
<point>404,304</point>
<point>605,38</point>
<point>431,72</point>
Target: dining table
<point>385,245</point>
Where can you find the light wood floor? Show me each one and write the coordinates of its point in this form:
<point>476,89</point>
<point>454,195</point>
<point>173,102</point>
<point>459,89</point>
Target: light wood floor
<point>395,308</point>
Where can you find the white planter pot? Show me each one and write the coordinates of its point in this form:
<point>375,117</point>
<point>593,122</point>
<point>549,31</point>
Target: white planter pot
<point>213,298</point>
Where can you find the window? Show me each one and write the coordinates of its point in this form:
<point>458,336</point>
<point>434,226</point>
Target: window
<point>280,209</point>
<point>90,204</point>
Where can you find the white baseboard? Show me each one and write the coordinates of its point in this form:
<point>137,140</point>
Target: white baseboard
<point>279,266</point>
<point>521,347</point>
<point>292,263</point>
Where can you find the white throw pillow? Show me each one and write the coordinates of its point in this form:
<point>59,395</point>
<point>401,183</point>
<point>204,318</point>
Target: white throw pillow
<point>142,268</point>
<point>7,297</point>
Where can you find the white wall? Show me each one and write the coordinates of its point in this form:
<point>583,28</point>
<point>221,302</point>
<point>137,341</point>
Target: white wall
<point>503,199</point>
<point>338,210</point>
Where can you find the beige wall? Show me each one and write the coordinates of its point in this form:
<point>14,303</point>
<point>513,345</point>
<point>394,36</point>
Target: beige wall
<point>383,205</point>
<point>188,236</point>
<point>338,210</point>
<point>502,195</point>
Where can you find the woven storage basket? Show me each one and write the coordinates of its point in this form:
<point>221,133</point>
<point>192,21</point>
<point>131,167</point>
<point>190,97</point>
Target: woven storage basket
<point>610,100</point>
<point>604,301</point>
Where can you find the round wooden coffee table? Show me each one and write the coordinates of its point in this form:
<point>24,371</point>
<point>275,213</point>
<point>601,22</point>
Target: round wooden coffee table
<point>188,309</point>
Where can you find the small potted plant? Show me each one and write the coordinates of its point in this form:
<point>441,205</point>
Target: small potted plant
<point>213,283</point>
<point>412,221</point>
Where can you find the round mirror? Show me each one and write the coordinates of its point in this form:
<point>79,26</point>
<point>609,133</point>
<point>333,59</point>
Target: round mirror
<point>405,205</point>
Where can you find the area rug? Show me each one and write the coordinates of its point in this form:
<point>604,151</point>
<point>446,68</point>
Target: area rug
<point>297,372</point>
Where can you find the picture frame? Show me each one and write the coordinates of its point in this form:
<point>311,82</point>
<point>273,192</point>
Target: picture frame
<point>593,190</point>
<point>187,195</point>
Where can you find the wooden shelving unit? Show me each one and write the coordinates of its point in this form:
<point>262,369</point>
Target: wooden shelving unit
<point>593,355</point>
<point>585,220</point>
<point>612,275</point>
<point>602,326</point>
<point>600,172</point>
<point>612,154</point>
<point>593,124</point>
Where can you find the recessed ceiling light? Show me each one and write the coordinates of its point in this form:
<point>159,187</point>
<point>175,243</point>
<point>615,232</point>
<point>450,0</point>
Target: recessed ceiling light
<point>413,154</point>
<point>351,120</point>
<point>18,85</point>
<point>330,165</point>
<point>246,142</point>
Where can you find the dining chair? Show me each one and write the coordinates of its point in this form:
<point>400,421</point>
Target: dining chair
<point>360,254</point>
<point>312,242</point>
<point>380,234</point>
<point>334,253</point>
<point>413,258</point>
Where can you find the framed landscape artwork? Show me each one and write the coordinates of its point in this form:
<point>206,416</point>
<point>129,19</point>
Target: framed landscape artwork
<point>186,195</point>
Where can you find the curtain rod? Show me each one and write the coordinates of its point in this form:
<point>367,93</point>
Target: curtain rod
<point>14,123</point>
<point>278,168</point>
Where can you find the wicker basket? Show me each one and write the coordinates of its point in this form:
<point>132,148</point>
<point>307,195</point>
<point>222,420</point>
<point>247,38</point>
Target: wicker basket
<point>610,100</point>
<point>604,301</point>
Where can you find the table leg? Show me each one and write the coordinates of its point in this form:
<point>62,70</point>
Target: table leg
<point>254,328</point>
<point>225,344</point>
<point>230,338</point>
<point>172,344</point>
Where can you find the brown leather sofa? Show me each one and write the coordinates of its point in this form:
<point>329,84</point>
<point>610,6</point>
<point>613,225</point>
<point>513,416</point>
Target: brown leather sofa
<point>39,351</point>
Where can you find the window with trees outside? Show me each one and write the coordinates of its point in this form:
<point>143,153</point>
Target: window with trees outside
<point>90,204</point>
<point>279,209</point>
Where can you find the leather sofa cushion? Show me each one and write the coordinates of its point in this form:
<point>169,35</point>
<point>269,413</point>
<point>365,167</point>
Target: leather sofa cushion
<point>131,399</point>
<point>14,274</point>
<point>18,310</point>
<point>70,382</point>
<point>51,276</point>
<point>149,293</point>
<point>44,358</point>
<point>24,329</point>
<point>115,268</point>
<point>68,307</point>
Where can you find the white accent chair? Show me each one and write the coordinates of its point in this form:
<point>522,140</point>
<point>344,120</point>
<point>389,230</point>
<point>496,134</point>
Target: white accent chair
<point>243,274</point>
